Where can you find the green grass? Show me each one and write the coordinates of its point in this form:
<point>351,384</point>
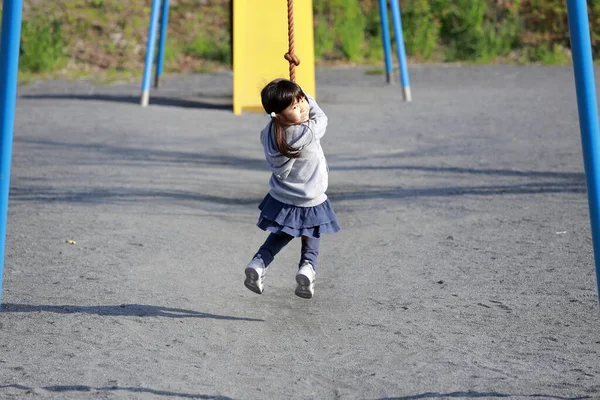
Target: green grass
<point>548,55</point>
<point>350,29</point>
<point>103,77</point>
<point>70,37</point>
<point>210,49</point>
<point>42,46</point>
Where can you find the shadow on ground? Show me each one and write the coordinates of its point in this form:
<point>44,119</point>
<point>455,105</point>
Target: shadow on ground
<point>540,182</point>
<point>472,171</point>
<point>475,395</point>
<point>82,388</point>
<point>122,196</point>
<point>18,192</point>
<point>428,395</point>
<point>378,192</point>
<point>154,100</point>
<point>112,154</point>
<point>137,310</point>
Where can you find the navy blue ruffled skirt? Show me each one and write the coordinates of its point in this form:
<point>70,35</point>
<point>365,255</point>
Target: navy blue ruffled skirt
<point>278,217</point>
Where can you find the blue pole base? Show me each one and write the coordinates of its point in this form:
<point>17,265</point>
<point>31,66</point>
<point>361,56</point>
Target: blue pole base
<point>407,94</point>
<point>145,98</point>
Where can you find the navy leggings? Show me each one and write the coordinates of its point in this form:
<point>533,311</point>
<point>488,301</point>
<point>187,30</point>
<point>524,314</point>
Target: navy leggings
<point>275,242</point>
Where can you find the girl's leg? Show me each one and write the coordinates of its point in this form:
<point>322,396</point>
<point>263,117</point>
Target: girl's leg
<point>306,274</point>
<point>310,250</point>
<point>256,270</point>
<point>272,246</point>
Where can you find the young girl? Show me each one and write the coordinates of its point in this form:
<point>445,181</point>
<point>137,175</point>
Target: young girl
<point>296,205</point>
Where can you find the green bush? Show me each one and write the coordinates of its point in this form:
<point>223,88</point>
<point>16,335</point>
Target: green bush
<point>97,3</point>
<point>339,30</point>
<point>594,8</point>
<point>374,51</point>
<point>463,27</point>
<point>548,54</point>
<point>324,38</point>
<point>505,29</point>
<point>421,29</point>
<point>478,30</point>
<point>110,33</point>
<point>42,45</point>
<point>350,29</point>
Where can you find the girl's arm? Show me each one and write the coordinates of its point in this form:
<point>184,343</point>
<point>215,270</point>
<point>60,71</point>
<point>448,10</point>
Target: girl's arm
<point>317,120</point>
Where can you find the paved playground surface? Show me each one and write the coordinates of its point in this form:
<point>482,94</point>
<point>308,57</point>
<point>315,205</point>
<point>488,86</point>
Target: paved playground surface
<point>464,268</point>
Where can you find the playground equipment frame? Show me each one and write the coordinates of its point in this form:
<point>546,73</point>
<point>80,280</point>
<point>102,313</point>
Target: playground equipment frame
<point>162,7</point>
<point>400,48</point>
<point>9,68</point>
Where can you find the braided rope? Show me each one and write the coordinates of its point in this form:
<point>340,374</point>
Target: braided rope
<point>290,56</point>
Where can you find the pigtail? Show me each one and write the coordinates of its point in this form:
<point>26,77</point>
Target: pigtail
<point>281,143</point>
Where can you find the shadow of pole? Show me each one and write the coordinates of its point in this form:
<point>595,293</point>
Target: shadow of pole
<point>123,310</point>
<point>475,395</point>
<point>154,100</point>
<point>83,388</point>
<point>428,395</point>
<point>117,153</point>
<point>374,192</point>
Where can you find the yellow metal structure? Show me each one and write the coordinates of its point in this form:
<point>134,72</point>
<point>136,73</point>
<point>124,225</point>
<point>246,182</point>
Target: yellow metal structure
<point>260,39</point>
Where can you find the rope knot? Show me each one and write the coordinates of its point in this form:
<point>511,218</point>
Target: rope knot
<point>292,59</point>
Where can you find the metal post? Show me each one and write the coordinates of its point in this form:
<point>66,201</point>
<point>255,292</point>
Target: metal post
<point>397,19</point>
<point>385,36</point>
<point>583,68</point>
<point>164,23</point>
<point>150,52</point>
<point>9,68</point>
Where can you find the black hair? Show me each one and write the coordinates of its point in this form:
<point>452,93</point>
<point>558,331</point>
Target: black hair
<point>276,97</point>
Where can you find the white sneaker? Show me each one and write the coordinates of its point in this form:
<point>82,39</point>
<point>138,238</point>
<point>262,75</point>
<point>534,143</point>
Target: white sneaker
<point>306,281</point>
<point>255,275</point>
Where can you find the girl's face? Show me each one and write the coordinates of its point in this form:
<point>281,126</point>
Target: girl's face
<point>295,113</point>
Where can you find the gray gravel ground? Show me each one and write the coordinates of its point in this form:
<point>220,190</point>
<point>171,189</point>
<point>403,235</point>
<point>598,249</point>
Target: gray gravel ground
<point>464,268</point>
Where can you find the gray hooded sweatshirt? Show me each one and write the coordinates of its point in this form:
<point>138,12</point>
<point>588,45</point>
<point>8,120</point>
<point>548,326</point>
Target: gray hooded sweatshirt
<point>299,181</point>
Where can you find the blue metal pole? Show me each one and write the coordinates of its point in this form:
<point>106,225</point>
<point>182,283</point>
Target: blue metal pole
<point>401,51</point>
<point>583,68</point>
<point>9,68</point>
<point>385,36</point>
<point>164,22</point>
<point>150,52</point>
